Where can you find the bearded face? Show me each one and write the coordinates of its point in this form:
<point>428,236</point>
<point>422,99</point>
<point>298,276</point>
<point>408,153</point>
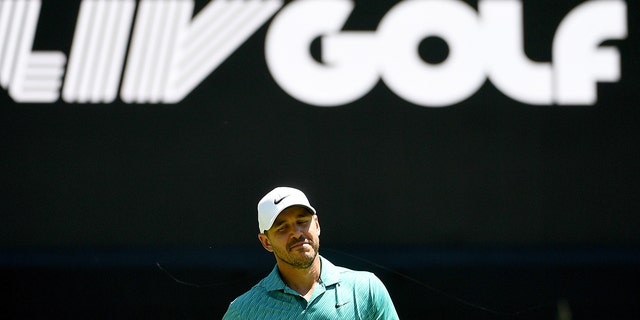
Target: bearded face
<point>294,237</point>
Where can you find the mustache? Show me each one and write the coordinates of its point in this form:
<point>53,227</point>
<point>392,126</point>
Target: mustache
<point>297,241</point>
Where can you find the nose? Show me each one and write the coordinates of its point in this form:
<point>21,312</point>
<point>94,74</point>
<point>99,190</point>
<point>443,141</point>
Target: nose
<point>297,232</point>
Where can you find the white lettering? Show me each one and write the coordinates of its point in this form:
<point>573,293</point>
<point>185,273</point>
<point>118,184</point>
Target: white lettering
<point>508,68</point>
<point>417,81</point>
<point>348,71</point>
<point>171,54</point>
<point>487,44</point>
<point>171,51</point>
<point>578,59</point>
<point>97,55</point>
<point>29,76</point>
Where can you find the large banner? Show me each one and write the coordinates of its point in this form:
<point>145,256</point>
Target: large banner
<point>422,122</point>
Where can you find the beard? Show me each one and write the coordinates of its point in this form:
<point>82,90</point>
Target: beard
<point>296,258</point>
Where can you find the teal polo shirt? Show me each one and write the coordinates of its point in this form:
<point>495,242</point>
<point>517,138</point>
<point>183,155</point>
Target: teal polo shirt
<point>340,294</point>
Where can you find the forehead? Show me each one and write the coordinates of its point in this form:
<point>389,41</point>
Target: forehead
<point>293,212</point>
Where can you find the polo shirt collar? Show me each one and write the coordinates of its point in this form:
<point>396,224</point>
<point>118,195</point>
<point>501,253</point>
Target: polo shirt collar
<point>329,275</point>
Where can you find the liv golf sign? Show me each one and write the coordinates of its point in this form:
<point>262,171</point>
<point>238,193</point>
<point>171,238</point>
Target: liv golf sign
<point>157,51</point>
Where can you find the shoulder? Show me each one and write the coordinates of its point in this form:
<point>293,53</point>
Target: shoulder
<point>363,284</point>
<point>244,302</point>
<point>255,293</point>
<point>360,278</point>
<point>334,274</point>
<point>369,291</point>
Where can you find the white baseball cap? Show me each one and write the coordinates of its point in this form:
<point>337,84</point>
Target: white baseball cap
<point>277,200</point>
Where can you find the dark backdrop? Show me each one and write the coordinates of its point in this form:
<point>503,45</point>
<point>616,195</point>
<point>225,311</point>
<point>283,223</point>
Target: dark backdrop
<point>487,198</point>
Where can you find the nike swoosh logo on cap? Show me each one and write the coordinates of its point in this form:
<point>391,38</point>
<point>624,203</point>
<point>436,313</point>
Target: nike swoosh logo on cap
<point>276,201</point>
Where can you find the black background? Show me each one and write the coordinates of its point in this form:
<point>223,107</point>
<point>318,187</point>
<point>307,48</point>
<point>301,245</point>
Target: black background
<point>516,204</point>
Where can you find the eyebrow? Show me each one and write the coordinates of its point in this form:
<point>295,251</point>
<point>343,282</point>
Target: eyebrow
<point>277,223</point>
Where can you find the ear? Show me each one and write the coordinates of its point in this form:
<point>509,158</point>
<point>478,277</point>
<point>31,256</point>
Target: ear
<point>264,240</point>
<point>315,218</point>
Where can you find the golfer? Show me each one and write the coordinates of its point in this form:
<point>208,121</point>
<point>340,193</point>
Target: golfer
<point>303,284</point>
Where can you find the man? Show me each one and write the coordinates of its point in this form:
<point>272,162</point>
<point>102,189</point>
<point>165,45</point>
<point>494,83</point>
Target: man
<point>303,284</point>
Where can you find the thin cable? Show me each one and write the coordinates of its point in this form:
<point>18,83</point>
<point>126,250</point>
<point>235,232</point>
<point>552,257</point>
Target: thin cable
<point>387,269</point>
<point>442,292</point>
<point>195,285</point>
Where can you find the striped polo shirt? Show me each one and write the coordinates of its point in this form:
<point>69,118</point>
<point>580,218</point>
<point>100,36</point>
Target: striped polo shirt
<point>340,294</point>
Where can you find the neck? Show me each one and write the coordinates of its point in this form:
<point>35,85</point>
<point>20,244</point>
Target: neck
<point>302,281</point>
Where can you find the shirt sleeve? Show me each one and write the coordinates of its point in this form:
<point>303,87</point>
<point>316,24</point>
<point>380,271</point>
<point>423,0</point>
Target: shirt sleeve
<point>383,305</point>
<point>232,313</point>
